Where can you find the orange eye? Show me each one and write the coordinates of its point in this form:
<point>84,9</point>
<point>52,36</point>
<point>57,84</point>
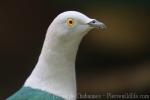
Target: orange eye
<point>70,22</point>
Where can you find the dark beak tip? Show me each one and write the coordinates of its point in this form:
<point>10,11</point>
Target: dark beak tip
<point>103,27</point>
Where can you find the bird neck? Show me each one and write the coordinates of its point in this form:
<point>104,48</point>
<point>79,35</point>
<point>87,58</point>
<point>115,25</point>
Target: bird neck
<point>55,70</point>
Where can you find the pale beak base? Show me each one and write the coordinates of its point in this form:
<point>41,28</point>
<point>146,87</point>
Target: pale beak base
<point>96,24</point>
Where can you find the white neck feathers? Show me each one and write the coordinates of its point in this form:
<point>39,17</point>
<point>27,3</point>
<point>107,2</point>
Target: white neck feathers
<point>55,70</point>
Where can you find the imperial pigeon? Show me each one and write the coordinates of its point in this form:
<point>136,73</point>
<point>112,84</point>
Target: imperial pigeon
<point>53,77</point>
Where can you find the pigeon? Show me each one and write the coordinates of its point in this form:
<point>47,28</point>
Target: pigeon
<point>53,77</point>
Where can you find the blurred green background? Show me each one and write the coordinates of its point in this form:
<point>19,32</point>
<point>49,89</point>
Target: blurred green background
<point>117,59</point>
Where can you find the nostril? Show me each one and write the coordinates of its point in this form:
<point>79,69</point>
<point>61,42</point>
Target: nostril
<point>94,21</point>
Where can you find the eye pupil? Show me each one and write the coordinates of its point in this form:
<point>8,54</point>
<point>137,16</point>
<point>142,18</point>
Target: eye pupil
<point>70,22</point>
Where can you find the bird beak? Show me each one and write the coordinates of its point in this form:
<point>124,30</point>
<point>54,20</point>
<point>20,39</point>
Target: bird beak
<point>96,24</point>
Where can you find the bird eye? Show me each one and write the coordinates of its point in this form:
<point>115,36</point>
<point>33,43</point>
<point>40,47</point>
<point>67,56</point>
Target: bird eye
<point>70,22</point>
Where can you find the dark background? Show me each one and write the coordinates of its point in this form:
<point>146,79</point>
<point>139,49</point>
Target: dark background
<point>115,60</point>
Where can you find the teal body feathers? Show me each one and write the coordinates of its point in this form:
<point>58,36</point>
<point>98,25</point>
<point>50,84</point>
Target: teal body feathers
<point>27,93</point>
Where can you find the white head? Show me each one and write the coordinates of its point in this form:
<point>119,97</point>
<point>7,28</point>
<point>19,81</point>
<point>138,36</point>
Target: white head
<point>55,70</point>
<point>73,24</point>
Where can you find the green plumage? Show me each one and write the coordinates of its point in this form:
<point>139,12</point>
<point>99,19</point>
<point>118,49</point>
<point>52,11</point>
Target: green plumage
<point>27,93</point>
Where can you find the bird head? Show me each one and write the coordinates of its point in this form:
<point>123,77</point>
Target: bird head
<point>73,24</point>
